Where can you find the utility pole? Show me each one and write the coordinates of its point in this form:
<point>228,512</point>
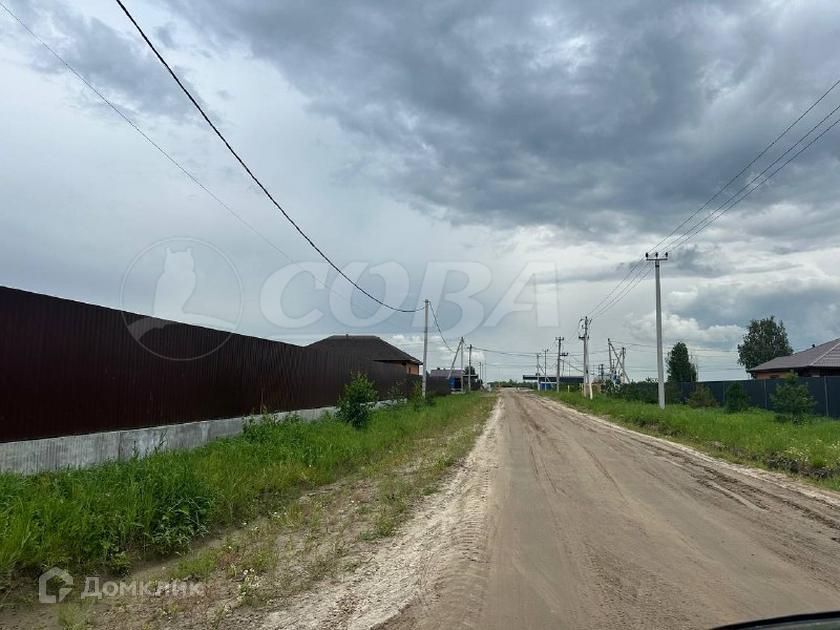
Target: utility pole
<point>425,343</point>
<point>462,364</point>
<point>545,367</point>
<point>587,383</point>
<point>559,341</point>
<point>469,376</point>
<point>660,364</point>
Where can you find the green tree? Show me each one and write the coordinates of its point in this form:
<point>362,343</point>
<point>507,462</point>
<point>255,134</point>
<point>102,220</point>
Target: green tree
<point>792,400</point>
<point>680,367</point>
<point>765,339</point>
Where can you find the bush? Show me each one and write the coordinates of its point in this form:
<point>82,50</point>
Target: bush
<point>644,391</point>
<point>736,398</point>
<point>792,401</point>
<point>647,391</point>
<point>355,404</point>
<point>701,397</point>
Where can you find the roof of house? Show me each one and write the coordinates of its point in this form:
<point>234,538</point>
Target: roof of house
<point>438,373</point>
<point>368,346</point>
<point>824,355</point>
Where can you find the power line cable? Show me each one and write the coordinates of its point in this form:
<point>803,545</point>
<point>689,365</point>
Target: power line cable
<point>698,350</point>
<point>247,169</point>
<point>712,217</point>
<point>154,144</point>
<point>506,352</point>
<point>437,325</point>
<point>713,197</point>
<point>622,294</point>
<point>594,310</point>
<point>751,162</point>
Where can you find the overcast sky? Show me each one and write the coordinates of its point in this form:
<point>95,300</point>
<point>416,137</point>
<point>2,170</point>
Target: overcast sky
<point>506,160</point>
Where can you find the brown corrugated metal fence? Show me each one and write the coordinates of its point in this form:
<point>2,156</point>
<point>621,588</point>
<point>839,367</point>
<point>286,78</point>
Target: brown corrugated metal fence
<point>69,368</point>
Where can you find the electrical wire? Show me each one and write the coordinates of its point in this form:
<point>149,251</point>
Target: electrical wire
<point>564,363</point>
<point>250,173</point>
<point>712,217</point>
<point>623,293</point>
<point>751,162</point>
<point>648,345</point>
<point>594,311</point>
<point>157,147</point>
<point>507,352</point>
<point>635,281</point>
<point>709,368</point>
<point>440,332</point>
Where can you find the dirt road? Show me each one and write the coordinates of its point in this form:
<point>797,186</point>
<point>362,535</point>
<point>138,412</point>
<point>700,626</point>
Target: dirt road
<point>589,525</point>
<point>561,520</point>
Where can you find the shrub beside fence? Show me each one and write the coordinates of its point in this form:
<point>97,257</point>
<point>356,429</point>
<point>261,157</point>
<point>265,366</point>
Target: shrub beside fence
<point>825,390</point>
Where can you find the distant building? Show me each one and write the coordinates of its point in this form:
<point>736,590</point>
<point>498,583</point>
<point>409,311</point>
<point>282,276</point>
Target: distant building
<point>550,382</point>
<point>458,380</point>
<point>369,347</point>
<point>821,360</point>
<point>444,373</point>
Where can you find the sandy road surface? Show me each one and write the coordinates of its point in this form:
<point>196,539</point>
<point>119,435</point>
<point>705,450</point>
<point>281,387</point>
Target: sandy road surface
<point>561,520</point>
<point>588,525</point>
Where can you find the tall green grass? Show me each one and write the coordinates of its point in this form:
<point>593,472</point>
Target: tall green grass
<point>810,449</point>
<point>110,516</point>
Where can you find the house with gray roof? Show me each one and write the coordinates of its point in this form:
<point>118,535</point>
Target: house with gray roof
<point>821,360</point>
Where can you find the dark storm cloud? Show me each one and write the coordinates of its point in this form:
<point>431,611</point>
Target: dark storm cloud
<point>118,65</point>
<point>571,114</point>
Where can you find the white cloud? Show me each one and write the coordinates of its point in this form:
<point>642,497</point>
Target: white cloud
<point>685,329</point>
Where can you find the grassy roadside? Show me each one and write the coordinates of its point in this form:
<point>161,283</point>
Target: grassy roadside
<point>810,450</point>
<point>108,518</point>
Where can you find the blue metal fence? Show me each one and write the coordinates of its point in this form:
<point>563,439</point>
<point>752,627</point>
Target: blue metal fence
<point>824,389</point>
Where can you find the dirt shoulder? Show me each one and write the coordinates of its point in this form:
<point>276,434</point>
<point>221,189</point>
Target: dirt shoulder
<point>415,568</point>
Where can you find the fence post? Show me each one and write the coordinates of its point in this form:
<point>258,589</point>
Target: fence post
<point>825,393</point>
<point>766,402</point>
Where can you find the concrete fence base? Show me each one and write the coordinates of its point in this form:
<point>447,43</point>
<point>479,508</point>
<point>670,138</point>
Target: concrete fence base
<point>82,451</point>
